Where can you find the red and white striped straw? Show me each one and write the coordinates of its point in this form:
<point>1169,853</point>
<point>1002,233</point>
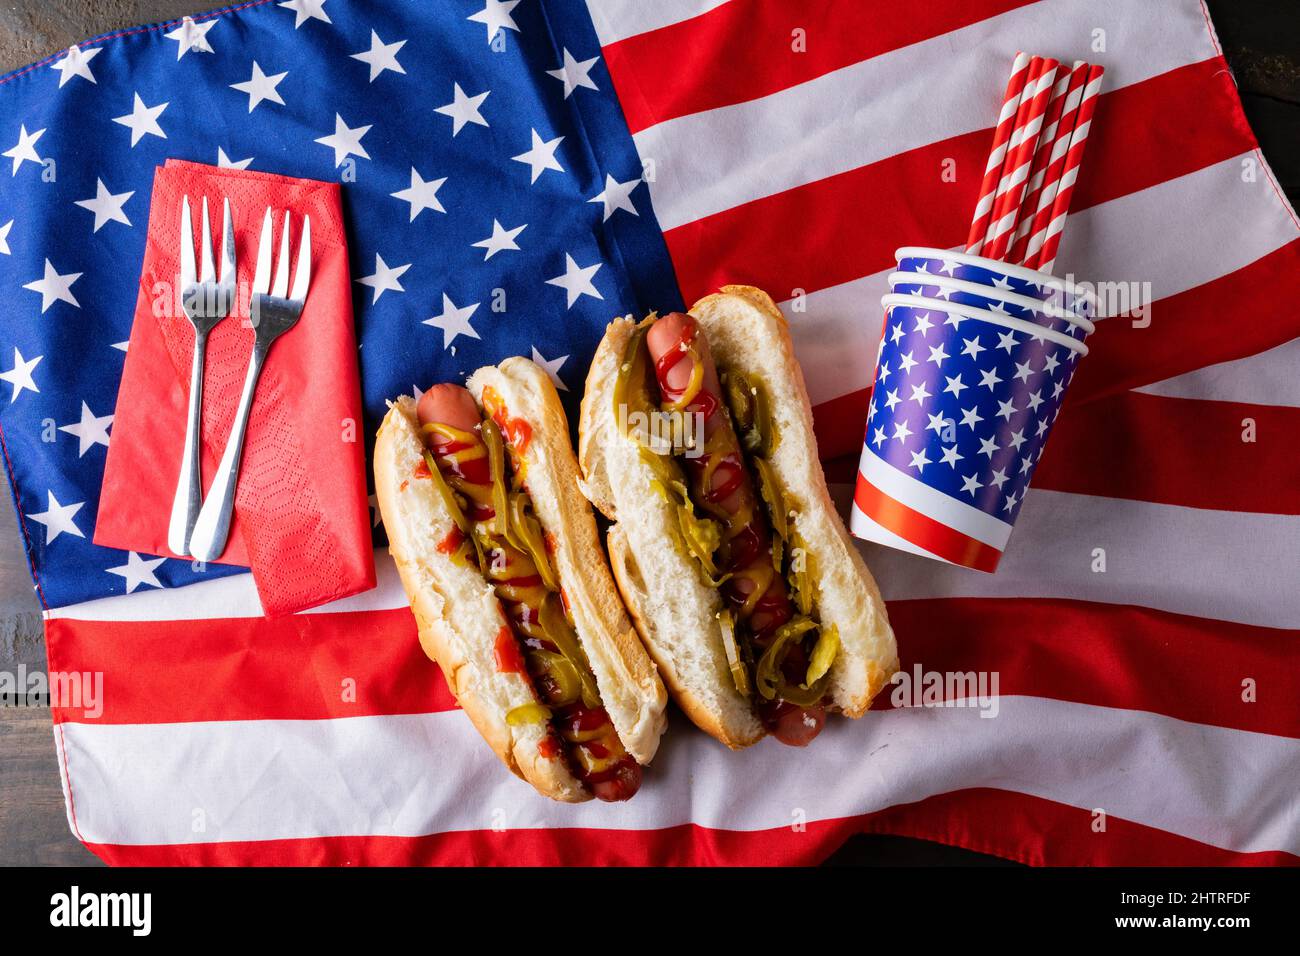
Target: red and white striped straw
<point>1001,137</point>
<point>1046,258</point>
<point>1067,87</point>
<point>1020,157</point>
<point>1042,213</point>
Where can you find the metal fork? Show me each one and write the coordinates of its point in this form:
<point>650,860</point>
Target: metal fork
<point>205,302</point>
<point>273,310</point>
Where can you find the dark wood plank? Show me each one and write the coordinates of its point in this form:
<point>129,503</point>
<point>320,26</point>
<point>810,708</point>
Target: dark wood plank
<point>33,826</point>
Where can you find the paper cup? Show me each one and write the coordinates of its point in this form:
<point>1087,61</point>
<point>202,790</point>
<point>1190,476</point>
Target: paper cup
<point>963,403</point>
<point>1000,275</point>
<point>960,292</point>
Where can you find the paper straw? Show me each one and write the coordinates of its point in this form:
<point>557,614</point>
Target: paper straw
<point>1020,155</point>
<point>1066,89</point>
<point>1073,158</point>
<point>1042,214</point>
<point>993,169</point>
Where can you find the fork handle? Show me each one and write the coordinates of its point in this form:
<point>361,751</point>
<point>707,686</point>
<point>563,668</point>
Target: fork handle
<point>213,526</point>
<point>189,484</point>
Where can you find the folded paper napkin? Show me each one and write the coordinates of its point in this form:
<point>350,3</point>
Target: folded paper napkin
<point>301,519</point>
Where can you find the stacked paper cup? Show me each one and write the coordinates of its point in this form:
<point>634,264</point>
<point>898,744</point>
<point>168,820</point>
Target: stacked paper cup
<point>974,363</point>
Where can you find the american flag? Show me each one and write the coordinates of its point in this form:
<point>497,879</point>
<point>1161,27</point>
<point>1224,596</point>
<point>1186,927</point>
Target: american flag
<point>516,172</point>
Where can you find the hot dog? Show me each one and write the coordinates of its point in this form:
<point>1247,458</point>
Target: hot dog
<point>720,484</point>
<point>499,557</point>
<point>728,552</point>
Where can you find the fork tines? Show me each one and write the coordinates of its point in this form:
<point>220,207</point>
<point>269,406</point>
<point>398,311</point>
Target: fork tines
<point>207,278</point>
<point>262,284</point>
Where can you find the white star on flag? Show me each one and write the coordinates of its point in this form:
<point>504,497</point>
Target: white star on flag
<point>138,571</point>
<point>891,398</point>
<point>576,281</point>
<point>972,347</point>
<point>261,87</point>
<point>225,162</point>
<point>463,109</point>
<point>919,461</point>
<point>25,148</point>
<point>142,120</point>
<point>384,278</point>
<point>57,518</point>
<point>906,363</point>
<point>421,194</point>
<point>20,376</point>
<point>971,483</point>
<point>345,141</point>
<point>919,394</point>
<point>988,447</point>
<point>76,63</point>
<point>541,156</point>
<point>901,431</point>
<point>879,438</point>
<point>971,416</point>
<point>106,206</point>
<point>1051,363</point>
<point>92,430</point>
<point>951,456</point>
<point>999,478</point>
<point>495,15</point>
<point>1018,439</point>
<point>1006,409</point>
<point>937,354</point>
<point>54,287</point>
<point>307,10</point>
<point>936,424</point>
<point>1023,370</point>
<point>4,237</point>
<point>955,385</point>
<point>500,240</point>
<point>989,377</point>
<point>453,321</point>
<point>381,56</point>
<point>616,196</point>
<point>574,73</point>
<point>923,324</point>
<point>192,36</point>
<point>551,368</point>
<point>1007,341</point>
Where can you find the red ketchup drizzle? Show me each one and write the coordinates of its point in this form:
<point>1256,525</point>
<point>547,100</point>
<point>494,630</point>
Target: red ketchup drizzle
<point>509,658</point>
<point>746,547</point>
<point>450,544</point>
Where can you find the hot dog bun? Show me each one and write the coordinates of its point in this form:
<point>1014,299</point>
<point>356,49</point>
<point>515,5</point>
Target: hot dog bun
<point>458,614</point>
<point>673,606</point>
<point>629,684</point>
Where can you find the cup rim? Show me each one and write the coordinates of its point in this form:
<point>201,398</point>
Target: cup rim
<point>983,315</point>
<point>994,265</point>
<point>961,285</point>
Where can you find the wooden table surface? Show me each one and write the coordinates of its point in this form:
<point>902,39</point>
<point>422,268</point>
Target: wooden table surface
<point>1261,39</point>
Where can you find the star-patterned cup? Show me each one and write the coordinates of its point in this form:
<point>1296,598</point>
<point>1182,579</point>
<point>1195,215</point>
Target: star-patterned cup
<point>960,292</point>
<point>999,275</point>
<point>962,405</point>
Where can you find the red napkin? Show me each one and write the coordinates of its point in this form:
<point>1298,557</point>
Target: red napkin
<point>301,514</point>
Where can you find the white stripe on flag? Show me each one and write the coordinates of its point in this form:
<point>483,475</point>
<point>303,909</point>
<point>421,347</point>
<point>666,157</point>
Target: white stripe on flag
<point>721,158</point>
<point>415,774</point>
<point>1268,378</point>
<point>1221,565</point>
<point>620,19</point>
<point>229,597</point>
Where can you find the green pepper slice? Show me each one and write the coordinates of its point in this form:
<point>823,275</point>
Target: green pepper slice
<point>526,535</point>
<point>767,674</point>
<point>560,633</point>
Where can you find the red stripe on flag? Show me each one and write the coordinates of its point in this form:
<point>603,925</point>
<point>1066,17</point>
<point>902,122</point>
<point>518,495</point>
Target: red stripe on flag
<point>922,530</point>
<point>849,225</point>
<point>1107,655</point>
<point>301,666</point>
<point>662,74</point>
<point>1176,451</point>
<point>1228,318</point>
<point>1016,826</point>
